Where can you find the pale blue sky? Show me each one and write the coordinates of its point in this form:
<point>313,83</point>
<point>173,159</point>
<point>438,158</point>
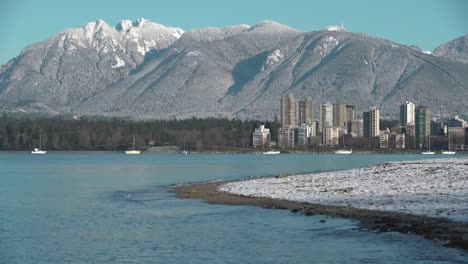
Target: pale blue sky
<point>426,24</point>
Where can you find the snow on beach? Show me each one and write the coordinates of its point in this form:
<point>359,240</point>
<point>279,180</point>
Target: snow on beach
<point>432,187</point>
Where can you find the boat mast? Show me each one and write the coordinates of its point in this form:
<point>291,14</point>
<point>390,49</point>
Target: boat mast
<point>449,145</point>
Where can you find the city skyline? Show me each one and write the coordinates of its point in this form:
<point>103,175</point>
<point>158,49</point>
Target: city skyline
<point>26,22</point>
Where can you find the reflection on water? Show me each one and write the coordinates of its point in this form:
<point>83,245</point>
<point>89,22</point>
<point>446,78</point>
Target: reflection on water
<point>109,208</point>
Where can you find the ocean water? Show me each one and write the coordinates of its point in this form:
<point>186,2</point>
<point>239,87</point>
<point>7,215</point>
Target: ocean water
<point>113,208</point>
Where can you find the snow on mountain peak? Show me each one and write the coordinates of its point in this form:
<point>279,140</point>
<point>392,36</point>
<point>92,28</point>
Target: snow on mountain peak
<point>338,28</point>
<point>124,25</point>
<point>267,25</point>
<point>140,22</point>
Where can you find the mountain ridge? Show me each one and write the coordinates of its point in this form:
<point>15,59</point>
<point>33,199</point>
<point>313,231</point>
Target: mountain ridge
<point>146,70</point>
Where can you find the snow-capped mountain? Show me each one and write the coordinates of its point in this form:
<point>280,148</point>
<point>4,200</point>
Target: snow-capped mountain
<point>146,70</point>
<point>57,74</point>
<point>456,50</point>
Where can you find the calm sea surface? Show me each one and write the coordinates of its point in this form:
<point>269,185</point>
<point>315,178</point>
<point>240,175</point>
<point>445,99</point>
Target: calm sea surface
<point>112,208</point>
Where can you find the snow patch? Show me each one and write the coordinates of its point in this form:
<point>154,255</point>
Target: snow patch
<point>432,187</point>
<point>118,62</point>
<point>274,57</point>
<point>194,53</point>
<point>338,28</point>
<point>367,63</point>
<point>177,33</point>
<point>125,25</point>
<point>426,52</point>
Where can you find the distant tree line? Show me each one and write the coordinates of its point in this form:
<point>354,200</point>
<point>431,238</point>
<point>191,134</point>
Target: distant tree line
<point>23,133</point>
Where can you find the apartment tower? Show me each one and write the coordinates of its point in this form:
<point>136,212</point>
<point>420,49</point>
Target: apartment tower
<point>423,125</point>
<point>407,114</point>
<point>372,123</point>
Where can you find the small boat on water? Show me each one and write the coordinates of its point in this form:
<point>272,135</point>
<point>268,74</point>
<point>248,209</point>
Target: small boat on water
<point>133,151</point>
<point>184,150</point>
<point>428,152</point>
<point>38,150</point>
<point>344,151</point>
<point>449,151</point>
<point>271,152</point>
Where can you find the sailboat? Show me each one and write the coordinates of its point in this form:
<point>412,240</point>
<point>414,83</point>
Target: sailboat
<point>271,152</point>
<point>184,151</point>
<point>429,152</point>
<point>38,150</point>
<point>449,152</point>
<point>133,151</point>
<point>344,151</point>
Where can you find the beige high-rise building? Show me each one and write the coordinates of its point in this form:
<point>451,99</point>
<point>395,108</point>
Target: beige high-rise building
<point>288,112</point>
<point>306,115</point>
<point>326,116</point>
<point>339,115</point>
<point>330,136</point>
<point>372,123</point>
<point>286,137</point>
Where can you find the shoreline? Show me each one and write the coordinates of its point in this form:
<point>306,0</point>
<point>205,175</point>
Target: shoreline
<point>438,229</point>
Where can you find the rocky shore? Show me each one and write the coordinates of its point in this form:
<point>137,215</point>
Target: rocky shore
<point>424,223</point>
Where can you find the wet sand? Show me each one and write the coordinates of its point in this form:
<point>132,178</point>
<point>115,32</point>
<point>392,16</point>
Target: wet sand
<point>439,229</point>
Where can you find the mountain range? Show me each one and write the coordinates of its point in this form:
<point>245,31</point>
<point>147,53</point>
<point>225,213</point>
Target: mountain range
<point>146,70</point>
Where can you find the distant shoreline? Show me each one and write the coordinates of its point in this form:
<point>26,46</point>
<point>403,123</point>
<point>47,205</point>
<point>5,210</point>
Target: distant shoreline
<point>448,232</point>
<point>246,151</point>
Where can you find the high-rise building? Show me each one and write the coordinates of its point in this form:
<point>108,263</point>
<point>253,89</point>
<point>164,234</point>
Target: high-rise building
<point>326,116</point>
<point>288,112</point>
<point>303,135</point>
<point>356,128</point>
<point>313,129</point>
<point>372,123</point>
<point>286,137</point>
<point>339,115</point>
<point>306,115</point>
<point>407,113</point>
<point>330,136</point>
<point>350,113</point>
<point>261,137</point>
<point>423,125</point>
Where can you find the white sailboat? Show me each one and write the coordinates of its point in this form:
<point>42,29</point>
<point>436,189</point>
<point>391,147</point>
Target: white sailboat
<point>449,151</point>
<point>133,151</point>
<point>344,151</point>
<point>271,152</point>
<point>428,152</point>
<point>184,151</point>
<point>38,150</point>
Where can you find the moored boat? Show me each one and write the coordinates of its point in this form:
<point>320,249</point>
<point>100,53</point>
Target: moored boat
<point>344,151</point>
<point>133,151</point>
<point>38,149</point>
<point>271,152</point>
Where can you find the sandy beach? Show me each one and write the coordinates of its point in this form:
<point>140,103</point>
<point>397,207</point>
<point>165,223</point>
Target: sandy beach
<point>415,209</point>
